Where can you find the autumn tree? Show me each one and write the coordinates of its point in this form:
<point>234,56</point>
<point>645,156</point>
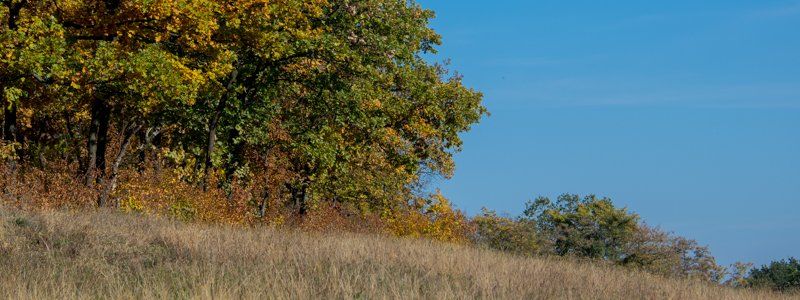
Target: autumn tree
<point>304,102</point>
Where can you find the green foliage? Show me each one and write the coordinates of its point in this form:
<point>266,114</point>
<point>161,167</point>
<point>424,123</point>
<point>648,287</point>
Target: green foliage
<point>505,234</point>
<point>593,228</point>
<point>782,275</point>
<point>586,227</point>
<point>296,101</point>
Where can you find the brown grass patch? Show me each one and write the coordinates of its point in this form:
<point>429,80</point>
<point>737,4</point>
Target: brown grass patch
<point>106,254</point>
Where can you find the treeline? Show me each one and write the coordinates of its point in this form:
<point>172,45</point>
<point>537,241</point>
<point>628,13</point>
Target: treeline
<point>593,228</point>
<point>285,104</point>
<point>315,113</point>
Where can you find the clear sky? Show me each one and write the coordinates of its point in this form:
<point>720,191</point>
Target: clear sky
<point>685,111</point>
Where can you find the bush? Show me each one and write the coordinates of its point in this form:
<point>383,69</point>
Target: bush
<point>783,275</point>
<point>585,227</point>
<point>592,227</point>
<point>505,234</point>
<point>433,217</point>
<point>659,252</point>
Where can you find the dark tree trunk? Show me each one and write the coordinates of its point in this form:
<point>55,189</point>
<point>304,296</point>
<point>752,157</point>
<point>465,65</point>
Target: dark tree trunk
<point>97,141</point>
<point>300,195</point>
<point>10,122</point>
<point>143,153</point>
<point>13,13</point>
<point>76,153</point>
<point>102,137</point>
<point>262,208</point>
<point>112,6</point>
<point>212,142</point>
<point>212,128</point>
<point>237,155</point>
<point>156,158</point>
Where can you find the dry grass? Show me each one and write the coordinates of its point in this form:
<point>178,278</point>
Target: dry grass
<point>112,255</point>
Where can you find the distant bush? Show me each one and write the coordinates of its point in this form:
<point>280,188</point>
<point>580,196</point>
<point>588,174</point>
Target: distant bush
<point>506,234</point>
<point>660,252</point>
<point>783,275</point>
<point>585,227</point>
<point>592,227</point>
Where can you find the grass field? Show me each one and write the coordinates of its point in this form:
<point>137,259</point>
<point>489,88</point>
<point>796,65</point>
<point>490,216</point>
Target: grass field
<point>104,254</point>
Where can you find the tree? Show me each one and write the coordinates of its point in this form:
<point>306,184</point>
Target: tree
<point>505,234</point>
<point>663,253</point>
<point>293,100</point>
<point>586,227</point>
<point>782,275</point>
<point>592,227</point>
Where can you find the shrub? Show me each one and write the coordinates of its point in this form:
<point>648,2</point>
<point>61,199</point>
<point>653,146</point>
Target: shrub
<point>783,275</point>
<point>591,227</point>
<point>585,227</point>
<point>506,234</point>
<point>433,217</point>
<point>659,252</point>
<point>168,194</point>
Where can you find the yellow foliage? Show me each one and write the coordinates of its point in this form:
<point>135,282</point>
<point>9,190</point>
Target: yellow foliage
<point>436,219</point>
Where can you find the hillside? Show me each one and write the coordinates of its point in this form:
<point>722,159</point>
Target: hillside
<point>107,254</point>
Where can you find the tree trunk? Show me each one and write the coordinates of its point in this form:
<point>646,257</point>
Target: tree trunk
<point>97,141</point>
<point>212,142</point>
<point>10,122</point>
<point>143,153</point>
<point>102,138</point>
<point>212,128</point>
<point>262,208</point>
<point>76,153</point>
<point>156,158</point>
<point>237,155</point>
<point>300,195</point>
<point>127,135</point>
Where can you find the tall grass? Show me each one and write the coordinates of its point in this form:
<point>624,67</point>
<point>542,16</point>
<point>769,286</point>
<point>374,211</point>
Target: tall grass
<point>106,254</point>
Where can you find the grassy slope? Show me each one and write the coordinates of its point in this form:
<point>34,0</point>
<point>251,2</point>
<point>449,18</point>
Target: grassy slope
<point>105,254</point>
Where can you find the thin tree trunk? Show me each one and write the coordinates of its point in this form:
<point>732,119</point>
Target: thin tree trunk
<point>108,188</point>
<point>300,195</point>
<point>212,128</point>
<point>144,151</point>
<point>156,158</point>
<point>10,122</point>
<point>262,208</point>
<point>97,141</point>
<point>149,139</point>
<point>237,156</point>
<point>102,138</point>
<point>71,140</point>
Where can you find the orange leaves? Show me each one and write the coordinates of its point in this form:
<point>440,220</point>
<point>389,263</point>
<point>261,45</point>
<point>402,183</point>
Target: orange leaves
<point>168,195</point>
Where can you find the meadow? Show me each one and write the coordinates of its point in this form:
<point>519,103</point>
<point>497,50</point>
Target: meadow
<point>108,254</point>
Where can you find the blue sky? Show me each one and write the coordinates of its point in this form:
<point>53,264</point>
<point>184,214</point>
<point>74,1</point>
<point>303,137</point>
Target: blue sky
<point>686,112</point>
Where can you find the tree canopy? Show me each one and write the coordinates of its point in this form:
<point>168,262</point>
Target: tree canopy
<point>302,102</point>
